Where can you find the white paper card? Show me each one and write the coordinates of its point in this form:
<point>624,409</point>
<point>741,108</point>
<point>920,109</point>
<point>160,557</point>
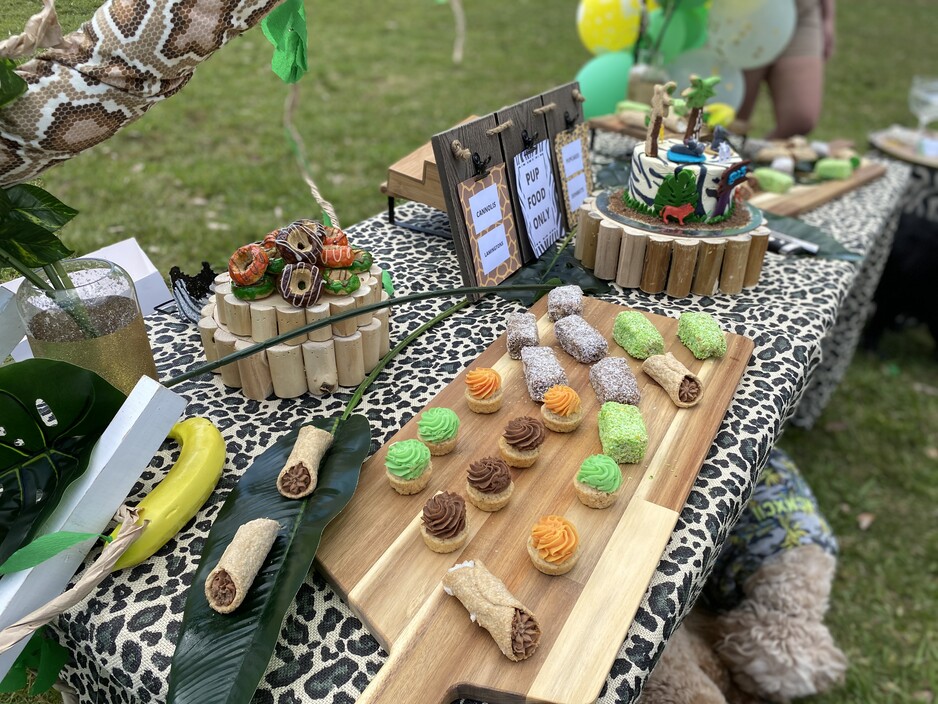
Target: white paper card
<point>577,190</point>
<point>538,197</point>
<point>572,156</point>
<point>485,209</point>
<point>493,248</point>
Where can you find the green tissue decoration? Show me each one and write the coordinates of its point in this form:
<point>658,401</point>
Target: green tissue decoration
<point>12,86</point>
<point>677,189</point>
<point>43,655</point>
<point>44,547</point>
<point>285,28</point>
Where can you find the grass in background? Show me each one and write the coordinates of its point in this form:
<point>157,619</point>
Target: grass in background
<point>210,169</point>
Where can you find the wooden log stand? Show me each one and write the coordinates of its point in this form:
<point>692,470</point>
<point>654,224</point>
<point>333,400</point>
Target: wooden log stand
<point>678,266</point>
<point>317,362</point>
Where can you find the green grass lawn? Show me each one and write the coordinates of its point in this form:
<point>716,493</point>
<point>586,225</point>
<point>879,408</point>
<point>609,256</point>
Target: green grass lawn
<point>210,169</point>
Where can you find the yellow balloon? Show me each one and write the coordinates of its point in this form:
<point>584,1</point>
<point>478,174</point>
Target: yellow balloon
<point>608,25</point>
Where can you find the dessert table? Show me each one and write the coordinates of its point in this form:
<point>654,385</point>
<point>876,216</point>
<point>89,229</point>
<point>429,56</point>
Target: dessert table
<point>804,318</point>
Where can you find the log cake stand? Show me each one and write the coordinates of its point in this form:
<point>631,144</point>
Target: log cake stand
<point>317,362</point>
<point>678,266</point>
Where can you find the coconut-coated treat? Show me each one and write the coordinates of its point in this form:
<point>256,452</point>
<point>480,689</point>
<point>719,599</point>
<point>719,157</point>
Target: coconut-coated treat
<point>580,340</point>
<point>622,432</point>
<point>701,334</point>
<point>522,332</point>
<point>635,333</point>
<point>563,301</point>
<point>541,371</point>
<point>612,380</point>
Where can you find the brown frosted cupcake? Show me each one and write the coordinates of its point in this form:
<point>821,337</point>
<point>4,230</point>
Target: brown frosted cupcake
<point>561,410</point>
<point>444,527</point>
<point>483,390</point>
<point>488,484</point>
<point>520,444</point>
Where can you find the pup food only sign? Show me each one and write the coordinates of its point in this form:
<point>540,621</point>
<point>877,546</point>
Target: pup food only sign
<point>537,196</point>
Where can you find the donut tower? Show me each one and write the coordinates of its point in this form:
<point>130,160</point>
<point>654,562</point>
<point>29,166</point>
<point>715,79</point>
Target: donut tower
<point>299,274</point>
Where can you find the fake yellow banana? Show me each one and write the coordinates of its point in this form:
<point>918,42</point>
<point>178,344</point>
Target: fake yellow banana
<point>187,486</point>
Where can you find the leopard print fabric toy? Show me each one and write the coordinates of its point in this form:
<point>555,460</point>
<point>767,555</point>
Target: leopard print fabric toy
<point>130,55</point>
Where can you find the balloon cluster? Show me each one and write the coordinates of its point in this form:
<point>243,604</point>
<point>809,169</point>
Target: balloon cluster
<point>685,37</point>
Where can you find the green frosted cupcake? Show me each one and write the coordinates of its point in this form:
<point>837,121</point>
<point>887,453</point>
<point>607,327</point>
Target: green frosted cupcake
<point>438,429</point>
<point>634,333</point>
<point>701,334</point>
<point>599,481</point>
<point>622,432</point>
<point>408,466</point>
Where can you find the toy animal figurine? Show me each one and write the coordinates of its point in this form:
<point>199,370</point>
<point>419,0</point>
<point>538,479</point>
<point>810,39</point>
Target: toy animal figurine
<point>679,212</point>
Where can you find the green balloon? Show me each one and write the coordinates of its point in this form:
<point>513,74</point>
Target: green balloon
<point>672,42</point>
<point>604,81</point>
<point>695,28</point>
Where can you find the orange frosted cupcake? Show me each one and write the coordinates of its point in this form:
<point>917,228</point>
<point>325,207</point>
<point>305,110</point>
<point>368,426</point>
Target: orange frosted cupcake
<point>561,410</point>
<point>554,545</point>
<point>483,390</point>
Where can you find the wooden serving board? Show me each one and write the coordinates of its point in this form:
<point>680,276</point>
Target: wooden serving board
<point>374,556</point>
<point>802,198</point>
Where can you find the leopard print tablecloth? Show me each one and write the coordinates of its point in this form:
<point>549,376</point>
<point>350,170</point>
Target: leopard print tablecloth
<point>123,636</point>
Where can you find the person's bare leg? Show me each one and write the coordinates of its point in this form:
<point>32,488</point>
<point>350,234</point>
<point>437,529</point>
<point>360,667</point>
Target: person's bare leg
<point>753,78</point>
<point>797,87</point>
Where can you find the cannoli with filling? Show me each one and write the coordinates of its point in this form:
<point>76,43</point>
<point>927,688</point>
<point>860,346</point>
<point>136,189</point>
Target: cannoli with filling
<point>492,606</point>
<point>683,387</point>
<point>301,472</point>
<point>227,584</point>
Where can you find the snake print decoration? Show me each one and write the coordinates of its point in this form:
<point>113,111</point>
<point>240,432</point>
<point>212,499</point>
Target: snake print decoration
<point>130,55</point>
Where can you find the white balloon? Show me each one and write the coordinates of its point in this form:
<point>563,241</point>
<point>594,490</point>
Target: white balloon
<point>706,62</point>
<point>751,33</point>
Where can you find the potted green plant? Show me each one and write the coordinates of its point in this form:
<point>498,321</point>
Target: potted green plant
<point>83,311</point>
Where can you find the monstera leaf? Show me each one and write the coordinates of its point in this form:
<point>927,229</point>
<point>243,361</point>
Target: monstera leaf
<point>51,415</point>
<point>560,269</point>
<point>677,189</point>
<point>219,659</point>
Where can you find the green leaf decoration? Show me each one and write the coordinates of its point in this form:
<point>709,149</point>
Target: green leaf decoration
<point>29,217</point>
<point>285,28</point>
<point>32,244</point>
<point>12,85</point>
<point>386,283</point>
<point>44,656</point>
<point>565,269</point>
<point>830,248</point>
<point>219,659</point>
<point>39,461</point>
<point>44,547</point>
<point>677,189</point>
<point>33,204</point>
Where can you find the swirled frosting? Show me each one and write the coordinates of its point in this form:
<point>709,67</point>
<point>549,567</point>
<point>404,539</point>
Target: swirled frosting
<point>524,433</point>
<point>525,634</point>
<point>444,515</point>
<point>555,538</point>
<point>437,424</point>
<point>562,400</point>
<point>483,382</point>
<point>489,475</point>
<point>600,472</point>
<point>407,459</point>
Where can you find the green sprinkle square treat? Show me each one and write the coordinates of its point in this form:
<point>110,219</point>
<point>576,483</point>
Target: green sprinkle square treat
<point>701,334</point>
<point>622,432</point>
<point>636,335</point>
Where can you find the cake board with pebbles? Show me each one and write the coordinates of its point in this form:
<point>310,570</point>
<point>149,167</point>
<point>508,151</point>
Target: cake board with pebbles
<point>374,555</point>
<point>317,362</point>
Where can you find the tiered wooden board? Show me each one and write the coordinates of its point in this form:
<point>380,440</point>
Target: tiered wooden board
<point>659,262</point>
<point>315,362</point>
<point>374,556</point>
<point>802,198</point>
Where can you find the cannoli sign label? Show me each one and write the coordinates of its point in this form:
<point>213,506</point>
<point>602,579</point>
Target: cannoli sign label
<point>492,236</point>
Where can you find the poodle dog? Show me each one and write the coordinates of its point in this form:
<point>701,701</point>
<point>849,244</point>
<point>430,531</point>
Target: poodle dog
<point>761,635</point>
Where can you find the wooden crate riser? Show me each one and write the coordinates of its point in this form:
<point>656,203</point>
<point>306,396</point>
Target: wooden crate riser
<point>317,362</point>
<point>678,266</point>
